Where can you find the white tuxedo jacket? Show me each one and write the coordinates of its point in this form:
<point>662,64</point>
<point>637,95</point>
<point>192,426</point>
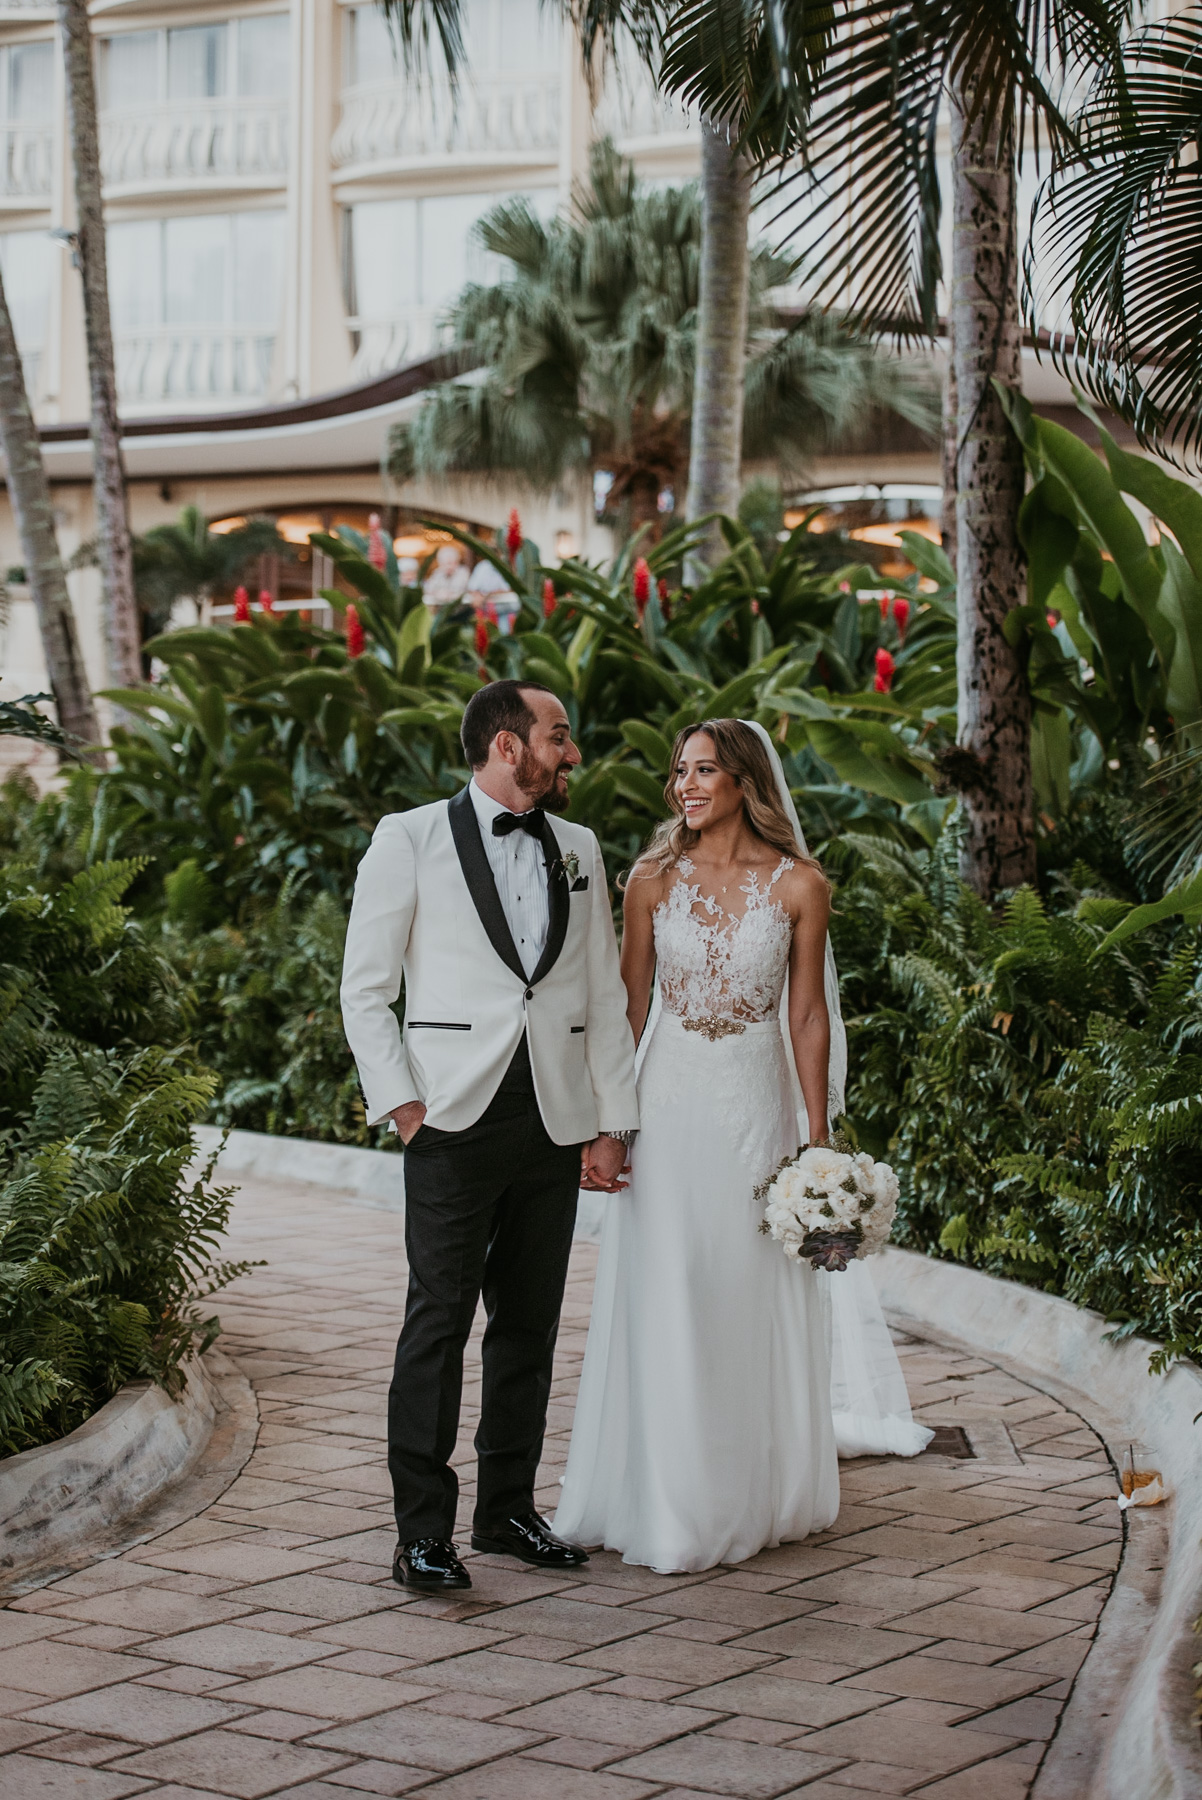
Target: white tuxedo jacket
<point>426,908</point>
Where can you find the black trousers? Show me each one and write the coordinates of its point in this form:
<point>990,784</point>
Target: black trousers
<point>489,1210</point>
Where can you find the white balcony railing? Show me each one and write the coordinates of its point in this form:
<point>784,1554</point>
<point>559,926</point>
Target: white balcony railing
<point>390,122</point>
<point>384,344</point>
<point>26,161</point>
<point>631,108</point>
<point>194,365</point>
<point>198,141</point>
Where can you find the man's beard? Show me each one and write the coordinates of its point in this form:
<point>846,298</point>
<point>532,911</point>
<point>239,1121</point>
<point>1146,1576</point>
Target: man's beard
<point>541,787</point>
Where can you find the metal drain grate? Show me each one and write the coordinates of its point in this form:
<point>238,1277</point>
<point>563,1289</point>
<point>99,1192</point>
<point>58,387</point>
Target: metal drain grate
<point>949,1440</point>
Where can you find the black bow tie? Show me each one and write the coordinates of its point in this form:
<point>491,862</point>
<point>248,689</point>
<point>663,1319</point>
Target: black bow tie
<point>531,822</point>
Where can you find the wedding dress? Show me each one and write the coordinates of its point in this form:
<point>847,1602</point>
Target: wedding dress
<point>703,1427</point>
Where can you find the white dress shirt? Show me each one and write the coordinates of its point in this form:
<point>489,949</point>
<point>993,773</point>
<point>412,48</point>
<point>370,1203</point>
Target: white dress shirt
<point>520,872</point>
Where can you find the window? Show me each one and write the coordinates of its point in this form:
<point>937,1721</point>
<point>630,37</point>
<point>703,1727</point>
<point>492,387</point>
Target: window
<point>237,57</point>
<point>520,37</point>
<point>28,84</point>
<point>215,269</point>
<point>407,253</point>
<point>27,262</point>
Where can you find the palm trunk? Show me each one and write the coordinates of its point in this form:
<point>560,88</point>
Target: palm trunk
<point>122,636</point>
<point>992,767</point>
<point>29,491</point>
<point>716,450</point>
<point>948,439</point>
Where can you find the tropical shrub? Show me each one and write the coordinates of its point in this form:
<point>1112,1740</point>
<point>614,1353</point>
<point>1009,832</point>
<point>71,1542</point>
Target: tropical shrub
<point>106,1246</point>
<point>1035,1075</point>
<point>262,1003</point>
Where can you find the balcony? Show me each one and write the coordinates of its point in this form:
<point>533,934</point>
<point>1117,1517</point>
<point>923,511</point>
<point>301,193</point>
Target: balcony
<point>200,366</point>
<point>389,126</point>
<point>197,145</point>
<point>384,344</point>
<point>633,112</point>
<point>26,165</point>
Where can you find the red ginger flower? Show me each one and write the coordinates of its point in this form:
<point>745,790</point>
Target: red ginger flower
<point>266,604</point>
<point>481,636</point>
<point>513,534</point>
<point>642,586</point>
<point>377,553</point>
<point>884,672</point>
<point>548,597</point>
<point>901,616</point>
<point>354,632</point>
<point>884,607</point>
<point>241,605</point>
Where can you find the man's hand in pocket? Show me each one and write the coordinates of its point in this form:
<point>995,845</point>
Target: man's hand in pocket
<point>409,1119</point>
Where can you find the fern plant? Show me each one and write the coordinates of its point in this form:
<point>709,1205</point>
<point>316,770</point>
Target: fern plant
<point>107,1247</point>
<point>1039,1091</point>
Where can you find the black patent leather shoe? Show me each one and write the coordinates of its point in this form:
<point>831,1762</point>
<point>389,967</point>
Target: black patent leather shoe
<point>530,1538</point>
<point>431,1565</point>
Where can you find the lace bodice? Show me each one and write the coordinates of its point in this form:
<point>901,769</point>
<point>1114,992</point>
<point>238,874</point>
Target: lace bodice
<point>716,965</point>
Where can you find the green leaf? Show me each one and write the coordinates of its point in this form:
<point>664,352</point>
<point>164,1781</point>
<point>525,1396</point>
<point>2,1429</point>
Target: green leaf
<point>414,635</point>
<point>1051,760</point>
<point>1185,899</point>
<point>649,742</point>
<point>838,745</point>
<point>929,559</point>
<point>638,785</point>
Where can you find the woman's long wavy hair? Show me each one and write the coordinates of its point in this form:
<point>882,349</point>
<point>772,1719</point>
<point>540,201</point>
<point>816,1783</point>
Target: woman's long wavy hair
<point>739,751</point>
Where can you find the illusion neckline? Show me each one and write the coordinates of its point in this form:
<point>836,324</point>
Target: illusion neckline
<point>757,896</point>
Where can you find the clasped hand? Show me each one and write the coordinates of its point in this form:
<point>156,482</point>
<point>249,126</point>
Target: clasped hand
<point>602,1164</point>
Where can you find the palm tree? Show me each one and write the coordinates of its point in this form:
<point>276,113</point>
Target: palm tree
<point>622,27</point>
<point>1118,225</point>
<point>585,356</point>
<point>25,476</point>
<point>185,560</point>
<point>108,469</point>
<point>855,89</point>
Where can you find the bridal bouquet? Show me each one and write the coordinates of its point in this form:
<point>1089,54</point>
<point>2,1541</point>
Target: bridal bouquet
<point>829,1205</point>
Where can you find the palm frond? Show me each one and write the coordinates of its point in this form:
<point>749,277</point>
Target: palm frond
<point>1120,227</point>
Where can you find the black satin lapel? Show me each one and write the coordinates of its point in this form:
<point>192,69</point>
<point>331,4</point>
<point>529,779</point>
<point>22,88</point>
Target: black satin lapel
<point>559,905</point>
<point>465,830</point>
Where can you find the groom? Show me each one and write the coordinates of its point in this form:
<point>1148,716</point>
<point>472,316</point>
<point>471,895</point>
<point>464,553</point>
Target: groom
<point>511,1086</point>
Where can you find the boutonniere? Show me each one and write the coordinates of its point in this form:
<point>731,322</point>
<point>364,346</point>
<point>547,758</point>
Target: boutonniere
<point>570,864</point>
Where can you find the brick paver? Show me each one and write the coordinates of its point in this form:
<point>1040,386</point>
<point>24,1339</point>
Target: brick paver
<point>925,1645</point>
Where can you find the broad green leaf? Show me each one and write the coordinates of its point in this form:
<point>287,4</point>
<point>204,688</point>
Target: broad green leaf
<point>1181,604</point>
<point>1185,899</point>
<point>1051,759</point>
<point>212,719</point>
<point>649,742</point>
<point>638,785</point>
<point>413,635</point>
<point>838,745</point>
<point>928,558</point>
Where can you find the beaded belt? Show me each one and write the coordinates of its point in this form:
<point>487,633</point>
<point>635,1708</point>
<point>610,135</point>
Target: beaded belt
<point>713,1029</point>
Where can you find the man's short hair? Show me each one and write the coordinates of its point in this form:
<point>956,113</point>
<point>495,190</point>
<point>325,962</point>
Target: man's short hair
<point>498,707</point>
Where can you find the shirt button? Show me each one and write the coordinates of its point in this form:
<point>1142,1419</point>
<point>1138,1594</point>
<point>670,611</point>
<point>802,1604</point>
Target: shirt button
<point>529,993</point>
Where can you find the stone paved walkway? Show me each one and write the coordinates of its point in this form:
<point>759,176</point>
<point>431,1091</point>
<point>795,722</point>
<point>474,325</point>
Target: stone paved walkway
<point>925,1645</point>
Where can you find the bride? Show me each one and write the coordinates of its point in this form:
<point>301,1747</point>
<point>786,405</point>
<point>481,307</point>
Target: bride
<point>705,1427</point>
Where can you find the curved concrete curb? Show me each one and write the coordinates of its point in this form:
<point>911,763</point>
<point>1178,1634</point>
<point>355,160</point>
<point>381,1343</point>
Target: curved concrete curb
<point>118,1478</point>
<point>371,1177</point>
<point>375,1177</point>
<point>1126,1733</point>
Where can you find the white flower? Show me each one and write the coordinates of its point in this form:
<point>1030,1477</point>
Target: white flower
<point>823,1166</point>
<point>828,1190</point>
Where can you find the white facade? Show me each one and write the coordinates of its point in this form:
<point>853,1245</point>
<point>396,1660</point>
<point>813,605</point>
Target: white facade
<point>287,214</point>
